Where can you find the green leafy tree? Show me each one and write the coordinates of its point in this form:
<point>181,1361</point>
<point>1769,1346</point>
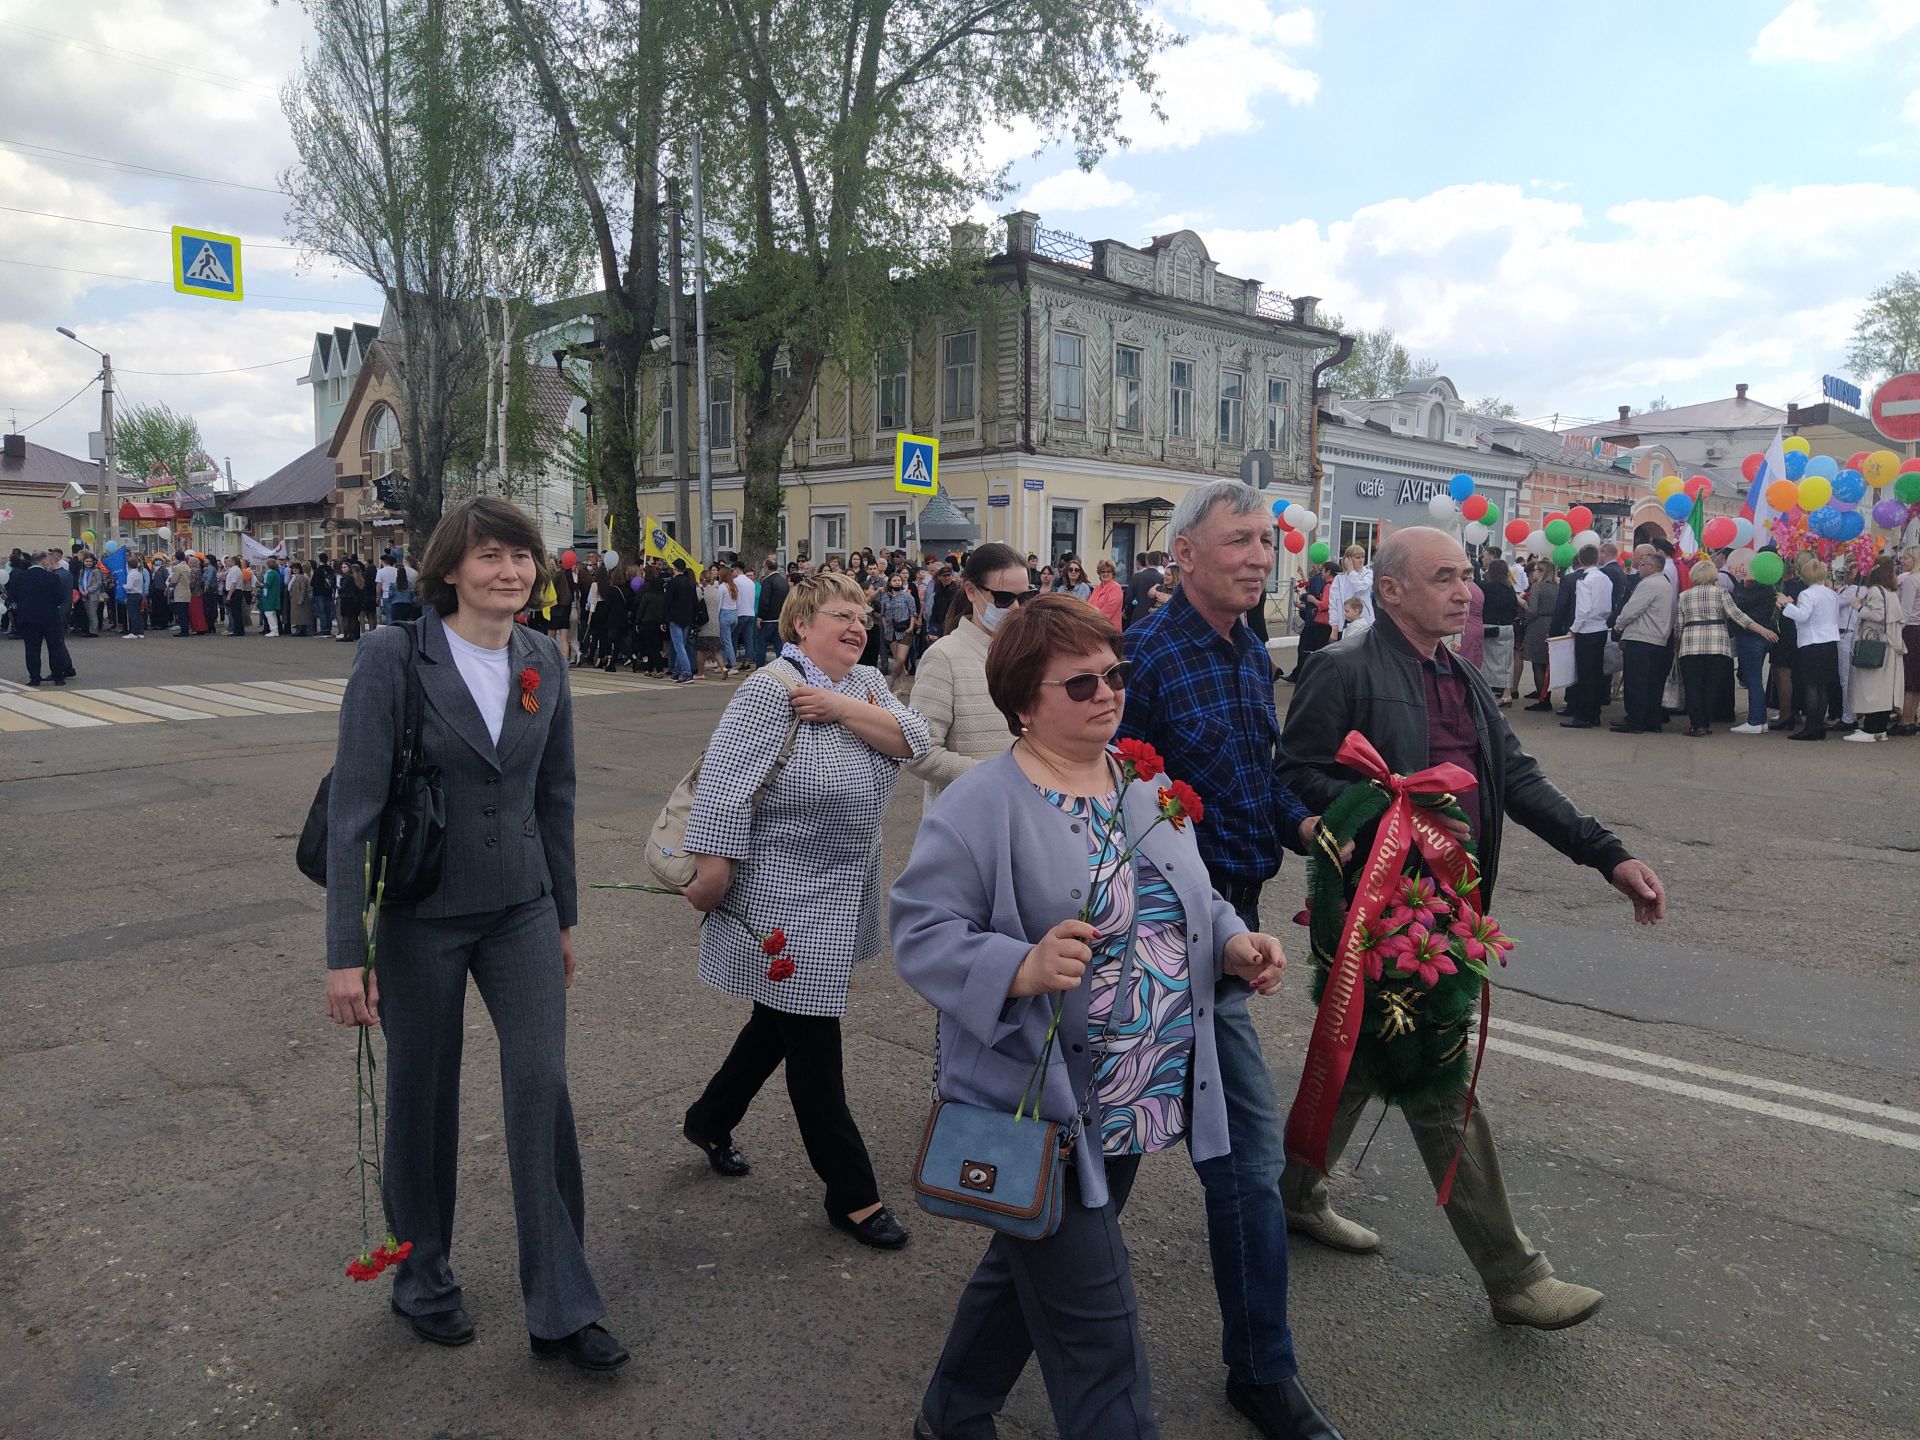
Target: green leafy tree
<point>1494,408</point>
<point>1886,337</point>
<point>1380,365</point>
<point>848,140</point>
<point>149,435</point>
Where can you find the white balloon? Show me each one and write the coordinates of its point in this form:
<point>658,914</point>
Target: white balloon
<point>1742,530</point>
<point>1441,507</point>
<point>1309,522</point>
<point>1740,558</point>
<point>1296,516</point>
<point>1538,543</point>
<point>1586,538</point>
<point>612,558</point>
<point>1476,533</point>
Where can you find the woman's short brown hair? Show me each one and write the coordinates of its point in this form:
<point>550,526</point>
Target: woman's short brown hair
<point>1030,637</point>
<point>813,593</point>
<point>473,521</point>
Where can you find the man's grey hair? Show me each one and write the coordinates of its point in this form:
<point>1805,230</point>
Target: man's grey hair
<point>1611,551</point>
<point>1197,504</point>
<point>1395,556</point>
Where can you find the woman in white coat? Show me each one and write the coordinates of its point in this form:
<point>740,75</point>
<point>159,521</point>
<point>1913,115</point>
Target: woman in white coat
<point>1874,691</point>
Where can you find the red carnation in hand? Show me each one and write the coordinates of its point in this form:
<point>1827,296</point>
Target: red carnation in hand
<point>774,943</point>
<point>364,1268</point>
<point>1179,803</point>
<point>780,969</point>
<point>1140,760</point>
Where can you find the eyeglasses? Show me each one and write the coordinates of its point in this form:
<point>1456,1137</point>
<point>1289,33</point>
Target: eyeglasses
<point>845,617</point>
<point>1082,688</point>
<point>1007,599</point>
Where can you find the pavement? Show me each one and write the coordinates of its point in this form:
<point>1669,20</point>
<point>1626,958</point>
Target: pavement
<point>1717,1122</point>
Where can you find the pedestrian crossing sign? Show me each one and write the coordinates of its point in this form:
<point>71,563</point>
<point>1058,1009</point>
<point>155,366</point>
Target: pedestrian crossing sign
<point>206,263</point>
<point>916,464</point>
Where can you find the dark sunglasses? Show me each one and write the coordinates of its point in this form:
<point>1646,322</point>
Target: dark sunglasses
<point>1082,688</point>
<point>1007,599</point>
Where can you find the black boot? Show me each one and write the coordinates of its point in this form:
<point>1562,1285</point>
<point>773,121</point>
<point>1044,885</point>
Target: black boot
<point>1281,1412</point>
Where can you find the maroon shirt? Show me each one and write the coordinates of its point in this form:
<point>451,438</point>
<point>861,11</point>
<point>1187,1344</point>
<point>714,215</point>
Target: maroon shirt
<point>1452,736</point>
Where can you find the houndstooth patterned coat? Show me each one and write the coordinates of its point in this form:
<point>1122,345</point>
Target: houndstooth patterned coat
<point>808,861</point>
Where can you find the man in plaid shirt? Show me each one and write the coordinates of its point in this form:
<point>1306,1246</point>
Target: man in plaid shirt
<point>1201,693</point>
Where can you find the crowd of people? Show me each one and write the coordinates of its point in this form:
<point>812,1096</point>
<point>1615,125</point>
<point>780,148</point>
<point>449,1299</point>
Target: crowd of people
<point>1039,886</point>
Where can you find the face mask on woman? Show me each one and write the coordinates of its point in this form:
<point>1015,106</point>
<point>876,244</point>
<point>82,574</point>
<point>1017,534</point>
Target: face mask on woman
<point>992,616</point>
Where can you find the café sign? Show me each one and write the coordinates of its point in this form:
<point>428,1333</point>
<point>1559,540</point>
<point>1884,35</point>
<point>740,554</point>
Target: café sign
<point>1406,489</point>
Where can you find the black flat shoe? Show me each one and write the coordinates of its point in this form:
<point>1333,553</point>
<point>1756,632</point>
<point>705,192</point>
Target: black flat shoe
<point>724,1159</point>
<point>879,1230</point>
<point>1281,1412</point>
<point>443,1327</point>
<point>1621,728</point>
<point>588,1348</point>
<point>1807,735</point>
<point>1539,707</point>
<point>1579,724</point>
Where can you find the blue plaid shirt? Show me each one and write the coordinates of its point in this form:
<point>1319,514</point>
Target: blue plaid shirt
<point>1206,704</point>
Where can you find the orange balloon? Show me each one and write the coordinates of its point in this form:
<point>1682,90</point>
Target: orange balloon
<point>1783,495</point>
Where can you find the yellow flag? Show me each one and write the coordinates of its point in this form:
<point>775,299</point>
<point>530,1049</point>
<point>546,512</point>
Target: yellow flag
<point>662,546</point>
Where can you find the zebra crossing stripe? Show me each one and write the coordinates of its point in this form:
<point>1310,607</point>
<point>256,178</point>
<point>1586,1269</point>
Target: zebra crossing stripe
<point>298,691</point>
<point>82,703</point>
<point>234,695</point>
<point>201,705</point>
<point>11,723</point>
<point>155,709</point>
<point>52,714</point>
<point>252,690</point>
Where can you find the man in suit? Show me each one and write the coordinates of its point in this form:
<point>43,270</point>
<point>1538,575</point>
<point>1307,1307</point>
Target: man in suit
<point>1617,576</point>
<point>1146,575</point>
<point>38,592</point>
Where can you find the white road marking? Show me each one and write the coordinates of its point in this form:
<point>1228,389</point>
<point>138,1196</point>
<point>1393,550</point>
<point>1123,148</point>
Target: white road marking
<point>52,714</point>
<point>1837,1124</point>
<point>145,706</point>
<point>244,702</point>
<point>325,697</point>
<point>1708,1072</point>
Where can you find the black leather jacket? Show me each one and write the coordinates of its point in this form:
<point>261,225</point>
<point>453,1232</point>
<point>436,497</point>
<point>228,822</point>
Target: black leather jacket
<point>1374,685</point>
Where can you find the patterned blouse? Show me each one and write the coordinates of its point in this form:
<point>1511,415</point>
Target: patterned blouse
<point>808,860</point>
<point>1143,1040</point>
<point>1702,618</point>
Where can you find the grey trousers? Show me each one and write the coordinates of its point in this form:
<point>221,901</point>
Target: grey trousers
<point>514,956</point>
<point>1067,1299</point>
<point>1478,1208</point>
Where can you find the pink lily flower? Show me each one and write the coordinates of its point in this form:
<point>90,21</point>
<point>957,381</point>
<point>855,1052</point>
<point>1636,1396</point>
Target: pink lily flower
<point>1480,937</point>
<point>1426,956</point>
<point>1420,895</point>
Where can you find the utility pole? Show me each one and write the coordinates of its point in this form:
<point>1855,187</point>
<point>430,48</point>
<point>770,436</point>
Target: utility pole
<point>677,353</point>
<point>709,551</point>
<point>110,474</point>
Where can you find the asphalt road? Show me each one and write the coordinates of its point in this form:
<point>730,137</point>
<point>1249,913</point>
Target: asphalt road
<point>1717,1122</point>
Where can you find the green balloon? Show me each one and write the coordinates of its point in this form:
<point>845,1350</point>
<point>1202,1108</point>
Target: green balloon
<point>1558,533</point>
<point>1492,518</point>
<point>1318,552</point>
<point>1564,554</point>
<point>1767,567</point>
<point>1906,489</point>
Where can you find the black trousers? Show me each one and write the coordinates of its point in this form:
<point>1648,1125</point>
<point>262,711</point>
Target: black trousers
<point>810,1044</point>
<point>1590,675</point>
<point>1816,674</point>
<point>59,663</point>
<point>1705,677</point>
<point>1313,636</point>
<point>1645,665</point>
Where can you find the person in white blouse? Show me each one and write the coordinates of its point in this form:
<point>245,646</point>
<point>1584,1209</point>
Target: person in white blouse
<point>1816,618</point>
<point>1355,578</point>
<point>1592,617</point>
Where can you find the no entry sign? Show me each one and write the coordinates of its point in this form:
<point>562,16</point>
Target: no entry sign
<point>1896,408</point>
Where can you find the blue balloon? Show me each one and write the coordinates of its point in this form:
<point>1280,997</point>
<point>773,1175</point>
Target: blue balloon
<point>1850,486</point>
<point>113,547</point>
<point>1460,487</point>
<point>1825,466</point>
<point>1796,465</point>
<point>1851,525</point>
<point>1280,505</point>
<point>1679,506</point>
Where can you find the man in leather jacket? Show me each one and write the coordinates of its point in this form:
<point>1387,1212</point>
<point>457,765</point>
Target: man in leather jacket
<point>1419,705</point>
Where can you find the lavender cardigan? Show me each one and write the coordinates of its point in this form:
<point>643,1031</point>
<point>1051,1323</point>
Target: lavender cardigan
<point>995,866</point>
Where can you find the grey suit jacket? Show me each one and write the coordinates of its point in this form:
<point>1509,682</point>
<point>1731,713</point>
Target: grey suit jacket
<point>509,810</point>
<point>995,866</point>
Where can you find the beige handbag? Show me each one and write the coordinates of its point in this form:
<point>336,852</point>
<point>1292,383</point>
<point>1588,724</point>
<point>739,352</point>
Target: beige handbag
<point>667,854</point>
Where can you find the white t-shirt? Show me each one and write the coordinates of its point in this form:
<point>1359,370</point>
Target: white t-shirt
<point>743,593</point>
<point>383,578</point>
<point>485,672</point>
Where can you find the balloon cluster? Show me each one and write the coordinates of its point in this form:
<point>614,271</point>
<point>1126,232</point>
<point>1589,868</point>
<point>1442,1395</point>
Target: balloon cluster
<point>1825,504</point>
<point>1561,534</point>
<point>1482,516</point>
<point>1296,522</point>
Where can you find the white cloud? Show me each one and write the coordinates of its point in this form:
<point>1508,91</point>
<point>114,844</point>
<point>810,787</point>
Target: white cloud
<point>1910,112</point>
<point>1238,53</point>
<point>1536,299</point>
<point>1076,190</point>
<point>1814,31</point>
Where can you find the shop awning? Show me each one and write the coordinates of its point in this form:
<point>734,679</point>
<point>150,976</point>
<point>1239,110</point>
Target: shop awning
<point>152,513</point>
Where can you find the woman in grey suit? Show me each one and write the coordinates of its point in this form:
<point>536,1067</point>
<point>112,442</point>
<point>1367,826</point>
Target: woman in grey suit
<point>497,721</point>
<point>986,926</point>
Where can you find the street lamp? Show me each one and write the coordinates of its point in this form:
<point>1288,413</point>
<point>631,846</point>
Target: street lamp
<point>109,497</point>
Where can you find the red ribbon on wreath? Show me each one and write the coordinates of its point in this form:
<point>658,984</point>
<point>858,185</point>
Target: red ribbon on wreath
<point>1336,1029</point>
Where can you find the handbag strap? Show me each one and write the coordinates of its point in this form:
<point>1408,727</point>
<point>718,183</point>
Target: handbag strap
<point>793,735</point>
<point>406,758</point>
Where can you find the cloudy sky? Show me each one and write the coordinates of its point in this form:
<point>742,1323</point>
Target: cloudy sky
<point>1570,207</point>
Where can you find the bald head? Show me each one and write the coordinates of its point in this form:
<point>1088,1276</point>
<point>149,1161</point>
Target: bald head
<point>1422,577</point>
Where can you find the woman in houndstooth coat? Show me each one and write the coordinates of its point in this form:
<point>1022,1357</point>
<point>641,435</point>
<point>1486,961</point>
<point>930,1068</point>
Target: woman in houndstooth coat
<point>805,861</point>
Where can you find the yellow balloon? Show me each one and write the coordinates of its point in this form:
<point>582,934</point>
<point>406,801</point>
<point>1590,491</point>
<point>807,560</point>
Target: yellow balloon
<point>1815,491</point>
<point>1882,468</point>
<point>1669,487</point>
<point>1797,443</point>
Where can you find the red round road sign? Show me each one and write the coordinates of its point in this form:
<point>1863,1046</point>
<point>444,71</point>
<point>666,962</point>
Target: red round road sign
<point>1896,408</point>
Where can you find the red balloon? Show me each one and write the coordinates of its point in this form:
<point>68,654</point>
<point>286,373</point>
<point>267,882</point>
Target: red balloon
<point>1294,541</point>
<point>568,558</point>
<point>1474,506</point>
<point>1699,487</point>
<point>1750,467</point>
<point>1857,460</point>
<point>1553,515</point>
<point>1909,467</point>
<point>1285,529</point>
<point>1718,532</point>
<point>1517,531</point>
<point>1580,518</point>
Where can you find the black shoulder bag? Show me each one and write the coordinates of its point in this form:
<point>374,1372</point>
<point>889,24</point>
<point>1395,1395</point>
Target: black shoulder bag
<point>412,834</point>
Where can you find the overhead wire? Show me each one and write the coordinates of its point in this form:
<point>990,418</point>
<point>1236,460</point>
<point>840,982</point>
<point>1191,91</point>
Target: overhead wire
<point>131,58</point>
<point>62,405</point>
<point>27,147</point>
<point>122,225</point>
<point>230,370</point>
<point>149,280</point>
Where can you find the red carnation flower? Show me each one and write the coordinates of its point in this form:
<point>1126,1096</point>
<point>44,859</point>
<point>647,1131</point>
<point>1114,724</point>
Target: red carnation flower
<point>1140,760</point>
<point>1179,803</point>
<point>774,943</point>
<point>781,968</point>
<point>364,1268</point>
<point>529,679</point>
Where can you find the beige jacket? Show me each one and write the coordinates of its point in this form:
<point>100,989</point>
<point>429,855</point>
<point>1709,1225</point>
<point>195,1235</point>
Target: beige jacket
<point>1648,614</point>
<point>950,689</point>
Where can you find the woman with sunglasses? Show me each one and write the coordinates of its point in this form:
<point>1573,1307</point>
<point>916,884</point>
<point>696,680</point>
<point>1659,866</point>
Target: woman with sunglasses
<point>1041,879</point>
<point>1073,581</point>
<point>804,860</point>
<point>950,686</point>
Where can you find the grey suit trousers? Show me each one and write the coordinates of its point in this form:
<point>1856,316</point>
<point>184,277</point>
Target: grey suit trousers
<point>514,956</point>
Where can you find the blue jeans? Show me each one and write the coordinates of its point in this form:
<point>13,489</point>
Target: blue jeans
<point>746,640</point>
<point>1246,1219</point>
<point>323,614</point>
<point>729,623</point>
<point>682,665</point>
<point>1751,650</point>
<point>769,641</point>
